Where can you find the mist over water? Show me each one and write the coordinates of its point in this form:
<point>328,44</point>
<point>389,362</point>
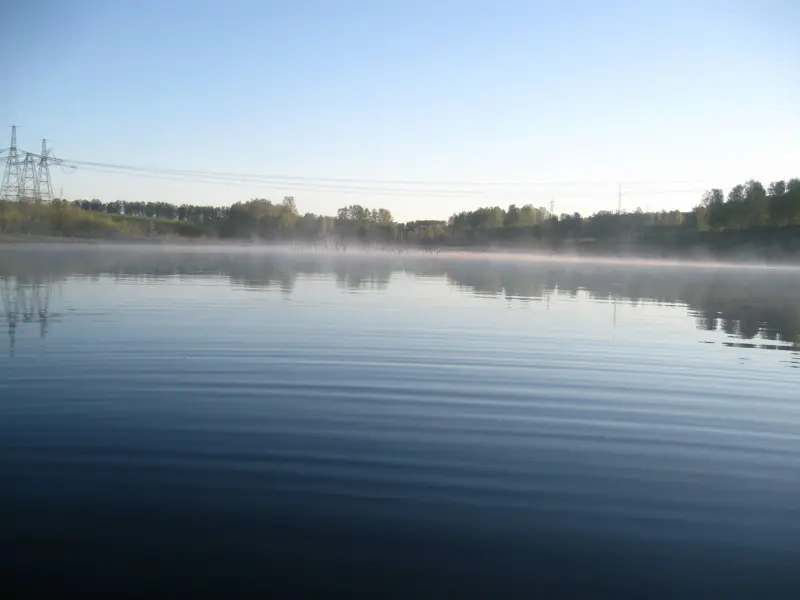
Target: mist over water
<point>397,425</point>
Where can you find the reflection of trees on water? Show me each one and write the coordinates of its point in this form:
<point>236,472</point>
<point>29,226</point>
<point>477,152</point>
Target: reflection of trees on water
<point>743,303</point>
<point>25,301</point>
<point>777,323</point>
<point>249,269</point>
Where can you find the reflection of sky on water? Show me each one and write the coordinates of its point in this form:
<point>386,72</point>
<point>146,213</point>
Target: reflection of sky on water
<point>755,309</point>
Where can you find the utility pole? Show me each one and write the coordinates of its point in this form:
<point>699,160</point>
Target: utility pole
<point>552,206</point>
<point>43,182</point>
<point>619,200</point>
<point>9,189</point>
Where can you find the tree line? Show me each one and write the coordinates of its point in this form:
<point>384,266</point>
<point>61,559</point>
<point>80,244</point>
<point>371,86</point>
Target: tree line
<point>747,206</point>
<point>750,205</point>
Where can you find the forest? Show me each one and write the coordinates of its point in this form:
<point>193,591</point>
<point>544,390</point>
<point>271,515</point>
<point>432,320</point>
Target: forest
<point>749,214</point>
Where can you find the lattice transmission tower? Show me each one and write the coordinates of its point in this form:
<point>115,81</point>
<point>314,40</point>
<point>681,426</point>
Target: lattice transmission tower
<point>28,179</point>
<point>43,181</point>
<point>9,189</point>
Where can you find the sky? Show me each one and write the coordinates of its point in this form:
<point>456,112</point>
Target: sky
<point>423,107</point>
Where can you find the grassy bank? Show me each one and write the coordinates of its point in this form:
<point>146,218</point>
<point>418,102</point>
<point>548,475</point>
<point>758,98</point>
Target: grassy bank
<point>62,221</point>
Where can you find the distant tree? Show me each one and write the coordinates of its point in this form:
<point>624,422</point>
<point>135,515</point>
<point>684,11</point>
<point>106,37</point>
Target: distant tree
<point>734,209</point>
<point>289,204</point>
<point>756,208</point>
<point>777,188</point>
<point>701,213</point>
<point>713,196</point>
<point>114,207</point>
<point>512,217</point>
<point>385,217</point>
<point>736,194</point>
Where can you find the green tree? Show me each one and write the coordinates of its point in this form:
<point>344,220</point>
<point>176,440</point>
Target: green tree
<point>736,195</point>
<point>512,217</point>
<point>289,205</point>
<point>777,188</point>
<point>713,196</point>
<point>756,208</point>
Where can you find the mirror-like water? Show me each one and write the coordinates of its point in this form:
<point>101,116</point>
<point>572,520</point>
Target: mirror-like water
<point>405,425</point>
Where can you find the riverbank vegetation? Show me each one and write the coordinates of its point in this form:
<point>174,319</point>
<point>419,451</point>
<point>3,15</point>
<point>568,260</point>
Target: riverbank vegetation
<point>749,214</point>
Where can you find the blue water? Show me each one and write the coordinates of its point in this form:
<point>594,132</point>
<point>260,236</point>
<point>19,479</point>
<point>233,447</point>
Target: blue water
<point>396,426</point>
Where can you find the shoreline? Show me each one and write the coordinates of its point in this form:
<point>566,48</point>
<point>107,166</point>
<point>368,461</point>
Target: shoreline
<point>743,256</point>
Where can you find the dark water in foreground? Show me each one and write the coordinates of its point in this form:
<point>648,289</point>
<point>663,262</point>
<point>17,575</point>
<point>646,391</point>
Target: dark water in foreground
<point>404,426</point>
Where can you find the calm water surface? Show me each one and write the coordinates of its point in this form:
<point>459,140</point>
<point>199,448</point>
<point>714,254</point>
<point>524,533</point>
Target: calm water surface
<point>406,426</point>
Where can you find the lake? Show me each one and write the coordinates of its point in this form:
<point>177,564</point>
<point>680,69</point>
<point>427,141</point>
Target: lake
<point>220,421</point>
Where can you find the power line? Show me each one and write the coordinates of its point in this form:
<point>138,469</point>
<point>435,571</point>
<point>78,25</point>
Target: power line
<point>322,185</point>
<point>37,182</point>
<point>352,180</point>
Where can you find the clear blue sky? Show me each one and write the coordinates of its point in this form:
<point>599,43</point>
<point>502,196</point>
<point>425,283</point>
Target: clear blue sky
<point>557,93</point>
